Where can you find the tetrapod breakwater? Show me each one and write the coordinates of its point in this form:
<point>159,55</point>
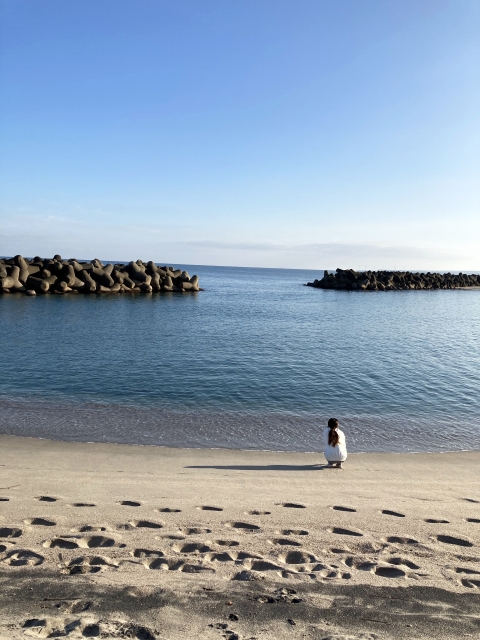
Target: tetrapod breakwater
<point>393,280</point>
<point>55,275</point>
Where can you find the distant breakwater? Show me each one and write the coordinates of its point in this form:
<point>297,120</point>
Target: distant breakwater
<point>393,280</point>
<point>45,275</point>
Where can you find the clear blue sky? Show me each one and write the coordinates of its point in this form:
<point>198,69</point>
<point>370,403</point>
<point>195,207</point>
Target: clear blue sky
<point>279,133</point>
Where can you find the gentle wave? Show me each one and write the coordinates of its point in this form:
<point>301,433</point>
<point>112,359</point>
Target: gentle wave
<point>228,429</point>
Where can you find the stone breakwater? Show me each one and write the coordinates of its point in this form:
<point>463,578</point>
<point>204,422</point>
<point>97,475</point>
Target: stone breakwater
<point>43,276</point>
<point>393,280</point>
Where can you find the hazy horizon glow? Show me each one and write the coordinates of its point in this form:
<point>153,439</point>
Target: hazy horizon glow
<point>271,133</point>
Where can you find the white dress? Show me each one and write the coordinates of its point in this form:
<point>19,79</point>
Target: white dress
<point>338,453</point>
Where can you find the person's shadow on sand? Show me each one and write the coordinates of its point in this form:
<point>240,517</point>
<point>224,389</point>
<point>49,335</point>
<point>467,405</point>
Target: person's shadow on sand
<point>262,467</point>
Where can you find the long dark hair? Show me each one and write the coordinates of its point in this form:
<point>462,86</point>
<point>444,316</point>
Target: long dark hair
<point>333,437</point>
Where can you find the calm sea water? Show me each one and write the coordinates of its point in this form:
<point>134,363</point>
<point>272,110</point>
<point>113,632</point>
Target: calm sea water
<point>256,361</point>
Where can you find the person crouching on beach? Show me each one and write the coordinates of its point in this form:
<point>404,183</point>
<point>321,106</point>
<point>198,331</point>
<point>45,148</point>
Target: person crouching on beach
<point>335,445</point>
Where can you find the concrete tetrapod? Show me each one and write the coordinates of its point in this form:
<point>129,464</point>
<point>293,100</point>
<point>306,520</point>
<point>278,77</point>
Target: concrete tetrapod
<point>350,280</point>
<point>55,275</point>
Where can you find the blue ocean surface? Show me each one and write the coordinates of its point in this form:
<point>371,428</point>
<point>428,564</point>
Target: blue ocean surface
<point>255,361</point>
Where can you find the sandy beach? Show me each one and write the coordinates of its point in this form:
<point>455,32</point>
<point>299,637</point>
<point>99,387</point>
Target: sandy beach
<point>118,541</point>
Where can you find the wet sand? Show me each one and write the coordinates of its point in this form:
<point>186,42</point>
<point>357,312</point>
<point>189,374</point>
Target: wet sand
<point>116,541</point>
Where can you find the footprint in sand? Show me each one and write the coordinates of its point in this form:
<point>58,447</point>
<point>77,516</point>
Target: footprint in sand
<point>292,532</point>
<point>227,543</point>
<point>345,532</point>
<point>472,584</point>
<point>39,627</point>
<point>245,555</point>
<point>291,505</point>
<point>71,606</point>
<point>22,558</point>
<point>369,547</point>
<point>261,565</point>
<point>285,542</point>
<point>177,565</point>
<point>89,542</point>
<point>40,522</point>
<point>147,553</point>
<point>468,571</point>
<point>114,629</point>
<point>220,557</point>
<point>194,531</point>
<point>167,510</point>
<point>296,557</point>
<point>82,504</point>
<point>362,636</point>
<point>46,499</point>
<point>401,540</point>
<point>145,524</point>
<point>460,542</point>
<point>471,500</point>
<point>477,520</point>
<point>56,627</point>
<point>93,542</point>
<point>434,521</point>
<point>360,563</point>
<point>324,571</point>
<point>85,528</point>
<point>195,568</point>
<point>390,572</point>
<point>84,565</point>
<point>164,564</point>
<point>247,576</point>
<point>129,503</point>
<point>191,547</point>
<point>257,513</point>
<point>209,508</point>
<point>244,526</point>
<point>387,512</point>
<point>340,508</point>
<point>61,543</point>
<point>404,562</point>
<point>10,532</point>
<point>4,499</point>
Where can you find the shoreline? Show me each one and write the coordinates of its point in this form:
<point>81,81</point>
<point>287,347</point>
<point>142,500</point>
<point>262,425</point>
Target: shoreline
<point>156,542</point>
<point>227,449</point>
<point>72,419</point>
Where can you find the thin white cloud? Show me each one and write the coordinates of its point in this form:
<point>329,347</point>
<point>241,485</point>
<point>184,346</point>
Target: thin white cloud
<point>321,255</point>
<point>72,237</point>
